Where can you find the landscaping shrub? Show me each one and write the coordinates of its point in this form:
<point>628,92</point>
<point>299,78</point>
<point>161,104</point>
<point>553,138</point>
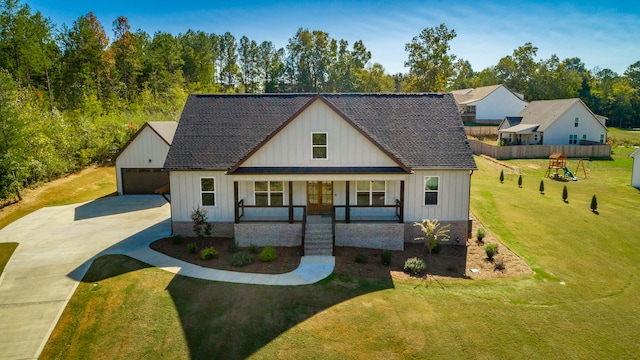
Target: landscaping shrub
<point>414,265</point>
<point>520,181</point>
<point>267,254</point>
<point>542,187</point>
<point>253,248</point>
<point>362,258</point>
<point>192,247</point>
<point>200,225</point>
<point>435,247</point>
<point>594,203</point>
<point>208,253</point>
<point>385,257</point>
<point>480,234</point>
<point>565,193</point>
<point>501,176</point>
<point>176,239</point>
<point>491,250</point>
<point>232,248</point>
<point>241,259</point>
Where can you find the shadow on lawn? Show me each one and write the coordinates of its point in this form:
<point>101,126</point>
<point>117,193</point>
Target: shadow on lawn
<point>233,321</point>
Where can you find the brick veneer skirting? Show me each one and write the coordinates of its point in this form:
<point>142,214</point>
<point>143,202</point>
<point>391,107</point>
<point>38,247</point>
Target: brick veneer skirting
<point>371,235</point>
<point>262,234</point>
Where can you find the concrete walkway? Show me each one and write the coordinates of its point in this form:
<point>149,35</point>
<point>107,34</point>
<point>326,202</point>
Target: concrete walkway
<point>58,244</point>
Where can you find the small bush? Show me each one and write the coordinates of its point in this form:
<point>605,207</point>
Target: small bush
<point>267,254</point>
<point>480,234</point>
<point>501,176</point>
<point>253,248</point>
<point>491,250</point>
<point>241,259</point>
<point>565,193</point>
<point>435,247</point>
<point>520,181</point>
<point>385,257</point>
<point>594,203</point>
<point>362,258</point>
<point>414,265</point>
<point>498,264</point>
<point>192,247</point>
<point>232,248</point>
<point>208,253</point>
<point>176,239</point>
<point>541,187</point>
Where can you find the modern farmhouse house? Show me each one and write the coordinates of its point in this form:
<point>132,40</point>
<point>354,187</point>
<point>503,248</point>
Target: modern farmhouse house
<point>554,122</point>
<point>268,167</point>
<point>488,104</point>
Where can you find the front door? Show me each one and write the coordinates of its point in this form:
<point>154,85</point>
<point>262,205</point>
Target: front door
<point>319,197</point>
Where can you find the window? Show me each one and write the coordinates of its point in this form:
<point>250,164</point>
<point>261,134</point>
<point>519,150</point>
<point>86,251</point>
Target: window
<point>431,190</point>
<point>370,193</point>
<point>573,139</point>
<point>602,138</point>
<point>208,191</point>
<point>575,124</point>
<point>319,146</point>
<point>584,136</point>
<point>269,193</point>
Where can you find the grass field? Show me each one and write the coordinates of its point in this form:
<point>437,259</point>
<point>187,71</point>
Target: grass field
<point>580,304</point>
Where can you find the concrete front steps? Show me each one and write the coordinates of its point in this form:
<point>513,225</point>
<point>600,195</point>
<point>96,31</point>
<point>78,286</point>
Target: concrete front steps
<point>318,239</point>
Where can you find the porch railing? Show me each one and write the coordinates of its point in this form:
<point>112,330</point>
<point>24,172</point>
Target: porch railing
<point>372,218</point>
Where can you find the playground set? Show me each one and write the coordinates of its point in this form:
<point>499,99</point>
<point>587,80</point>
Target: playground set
<point>557,162</point>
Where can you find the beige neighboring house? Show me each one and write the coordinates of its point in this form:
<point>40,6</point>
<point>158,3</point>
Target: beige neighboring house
<point>139,162</point>
<point>554,122</point>
<point>635,174</point>
<point>488,104</point>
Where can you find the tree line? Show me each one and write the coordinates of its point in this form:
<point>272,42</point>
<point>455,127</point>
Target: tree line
<point>72,95</point>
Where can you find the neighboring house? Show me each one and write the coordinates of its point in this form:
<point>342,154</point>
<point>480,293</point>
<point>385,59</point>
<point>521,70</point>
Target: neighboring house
<point>265,167</point>
<point>554,122</point>
<point>635,174</point>
<point>139,162</point>
<point>488,104</point>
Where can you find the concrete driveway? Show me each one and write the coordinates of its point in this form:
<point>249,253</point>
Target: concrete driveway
<point>56,247</point>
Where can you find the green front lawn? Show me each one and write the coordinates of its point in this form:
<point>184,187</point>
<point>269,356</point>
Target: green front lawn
<point>580,304</point>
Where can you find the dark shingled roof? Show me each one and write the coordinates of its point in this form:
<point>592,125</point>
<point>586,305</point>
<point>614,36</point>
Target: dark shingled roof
<point>420,131</point>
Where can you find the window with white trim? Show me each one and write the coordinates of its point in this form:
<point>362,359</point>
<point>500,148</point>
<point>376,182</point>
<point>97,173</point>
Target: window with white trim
<point>208,191</point>
<point>269,193</point>
<point>602,138</point>
<point>575,124</point>
<point>371,192</point>
<point>319,146</point>
<point>431,190</point>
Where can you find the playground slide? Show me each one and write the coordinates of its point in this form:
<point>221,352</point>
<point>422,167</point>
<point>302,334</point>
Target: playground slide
<point>569,174</point>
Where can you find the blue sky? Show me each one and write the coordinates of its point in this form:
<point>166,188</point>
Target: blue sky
<point>602,34</point>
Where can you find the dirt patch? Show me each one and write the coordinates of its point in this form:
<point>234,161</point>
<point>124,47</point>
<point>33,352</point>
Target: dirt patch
<point>452,261</point>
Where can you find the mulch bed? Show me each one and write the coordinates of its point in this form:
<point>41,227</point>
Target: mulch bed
<point>452,261</point>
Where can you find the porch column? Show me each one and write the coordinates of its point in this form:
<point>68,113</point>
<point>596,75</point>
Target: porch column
<point>236,209</point>
<point>290,202</point>
<point>401,220</point>
<point>347,209</point>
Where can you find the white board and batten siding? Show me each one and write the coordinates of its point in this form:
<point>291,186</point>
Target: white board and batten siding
<point>453,196</point>
<point>146,151</point>
<point>292,145</point>
<point>187,184</point>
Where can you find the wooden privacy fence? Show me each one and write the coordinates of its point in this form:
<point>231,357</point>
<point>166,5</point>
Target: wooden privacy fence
<point>539,151</point>
<point>481,130</point>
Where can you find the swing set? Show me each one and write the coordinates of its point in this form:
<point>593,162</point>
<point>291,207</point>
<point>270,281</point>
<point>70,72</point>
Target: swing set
<point>557,162</point>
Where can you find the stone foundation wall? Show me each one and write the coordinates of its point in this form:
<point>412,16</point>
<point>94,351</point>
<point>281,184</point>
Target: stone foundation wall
<point>262,234</point>
<point>369,235</point>
<point>218,229</point>
<point>457,230</point>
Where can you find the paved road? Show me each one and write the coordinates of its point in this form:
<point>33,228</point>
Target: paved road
<point>56,247</point>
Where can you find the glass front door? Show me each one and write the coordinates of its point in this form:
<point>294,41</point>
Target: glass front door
<point>319,197</point>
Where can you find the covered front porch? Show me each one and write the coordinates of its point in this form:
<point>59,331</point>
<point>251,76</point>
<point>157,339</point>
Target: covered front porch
<point>355,212</point>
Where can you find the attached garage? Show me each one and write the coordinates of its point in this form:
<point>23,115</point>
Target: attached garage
<point>139,163</point>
